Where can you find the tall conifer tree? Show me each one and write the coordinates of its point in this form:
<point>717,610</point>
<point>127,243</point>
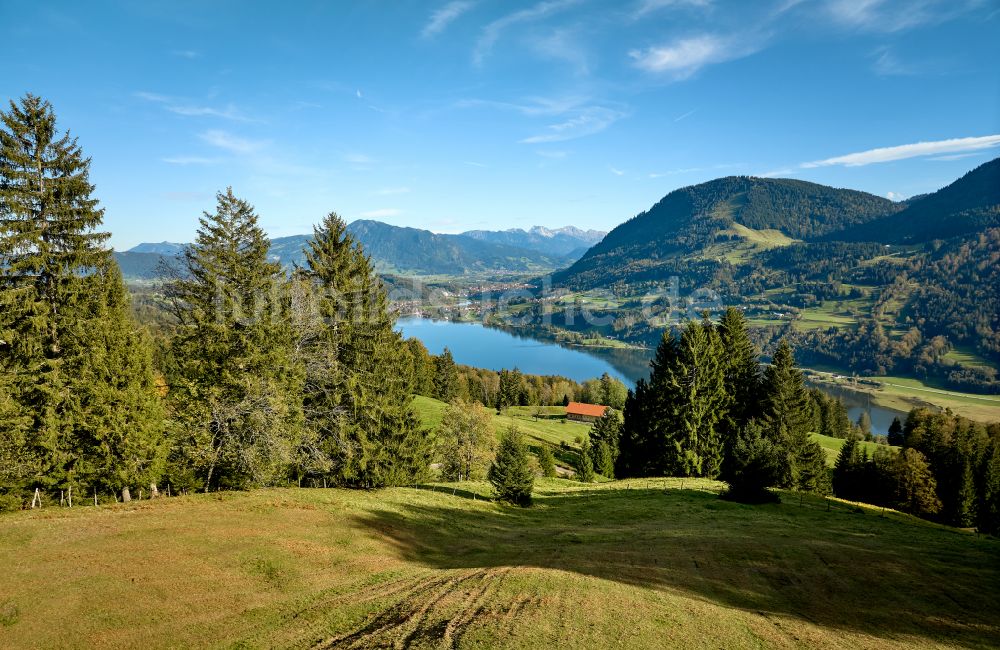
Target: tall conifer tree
<point>361,403</point>
<point>741,379</point>
<point>238,393</point>
<point>80,384</point>
<point>787,410</point>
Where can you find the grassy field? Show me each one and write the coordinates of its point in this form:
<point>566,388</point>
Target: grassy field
<point>832,446</point>
<point>658,563</point>
<point>905,393</point>
<point>967,357</point>
<point>551,429</point>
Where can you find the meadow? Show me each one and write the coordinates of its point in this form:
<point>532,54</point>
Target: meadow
<point>647,563</point>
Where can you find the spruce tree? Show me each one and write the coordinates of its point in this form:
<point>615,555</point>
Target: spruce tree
<point>238,394</point>
<point>756,466</point>
<point>445,377</point>
<point>637,444</point>
<point>603,459</point>
<point>360,373</point>
<point>546,462</point>
<point>80,384</point>
<point>510,474</point>
<point>694,400</point>
<point>895,433</point>
<point>741,380</point>
<point>787,410</point>
<point>585,462</point>
<point>608,429</point>
<point>509,391</point>
<point>120,427</point>
<point>845,471</point>
<point>988,501</point>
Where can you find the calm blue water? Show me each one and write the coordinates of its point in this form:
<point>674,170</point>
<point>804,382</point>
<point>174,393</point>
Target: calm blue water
<point>474,345</point>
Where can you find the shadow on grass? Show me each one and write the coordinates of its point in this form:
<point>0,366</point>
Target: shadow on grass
<point>840,569</point>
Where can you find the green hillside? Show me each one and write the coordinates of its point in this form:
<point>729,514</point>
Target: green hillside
<point>651,563</point>
<point>692,218</point>
<point>854,281</point>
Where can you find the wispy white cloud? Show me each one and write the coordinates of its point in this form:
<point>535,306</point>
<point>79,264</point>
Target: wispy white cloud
<point>444,16</point>
<point>887,64</point>
<point>584,121</point>
<point>692,170</point>
<point>358,159</point>
<point>644,7</point>
<point>686,115</point>
<point>530,106</point>
<point>232,143</point>
<point>902,152</point>
<point>472,163</point>
<point>381,213</point>
<point>896,15</point>
<point>778,173</point>
<point>494,30</point>
<point>616,171</point>
<point>564,45</point>
<point>388,191</point>
<point>682,58</point>
<point>190,160</point>
<point>894,196</point>
<point>188,109</point>
<point>959,156</point>
<point>186,54</point>
<point>555,155</point>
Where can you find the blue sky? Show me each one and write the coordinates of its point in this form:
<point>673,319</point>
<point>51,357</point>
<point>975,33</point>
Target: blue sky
<point>494,114</point>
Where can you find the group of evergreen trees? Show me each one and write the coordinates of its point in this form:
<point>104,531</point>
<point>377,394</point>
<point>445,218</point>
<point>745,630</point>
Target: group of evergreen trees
<point>948,470</point>
<point>708,410</point>
<point>269,377</point>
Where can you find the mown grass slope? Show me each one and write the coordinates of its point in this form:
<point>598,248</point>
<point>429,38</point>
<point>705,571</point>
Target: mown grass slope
<point>659,563</point>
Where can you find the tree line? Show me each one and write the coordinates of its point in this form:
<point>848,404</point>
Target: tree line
<point>438,376</point>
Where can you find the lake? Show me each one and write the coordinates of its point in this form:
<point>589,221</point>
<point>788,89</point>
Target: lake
<point>474,345</point>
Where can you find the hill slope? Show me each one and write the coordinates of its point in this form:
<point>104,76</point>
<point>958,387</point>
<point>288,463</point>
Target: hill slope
<point>588,566</point>
<point>970,204</point>
<point>689,221</point>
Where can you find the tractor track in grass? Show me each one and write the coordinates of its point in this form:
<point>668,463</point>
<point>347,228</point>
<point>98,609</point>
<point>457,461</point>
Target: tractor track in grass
<point>438,611</point>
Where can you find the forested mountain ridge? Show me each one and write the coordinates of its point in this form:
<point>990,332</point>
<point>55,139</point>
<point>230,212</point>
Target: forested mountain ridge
<point>399,249</point>
<point>969,205</point>
<point>691,219</point>
<point>393,249</point>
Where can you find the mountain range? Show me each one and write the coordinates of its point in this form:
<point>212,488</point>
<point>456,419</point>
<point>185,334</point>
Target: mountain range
<point>568,241</point>
<point>401,250</point>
